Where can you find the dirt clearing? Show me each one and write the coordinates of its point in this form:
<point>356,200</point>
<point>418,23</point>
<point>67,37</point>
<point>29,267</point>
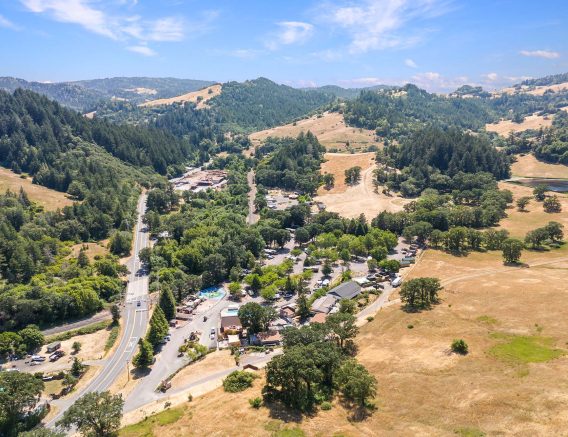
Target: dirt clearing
<point>200,97</point>
<point>337,163</point>
<point>330,129</point>
<point>529,166</point>
<point>49,199</point>
<point>351,201</point>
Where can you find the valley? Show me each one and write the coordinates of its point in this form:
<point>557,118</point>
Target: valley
<point>249,258</point>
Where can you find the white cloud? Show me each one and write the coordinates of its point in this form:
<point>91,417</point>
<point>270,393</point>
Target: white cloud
<point>7,24</point>
<point>546,54</point>
<point>375,24</point>
<point>410,63</point>
<point>74,11</point>
<point>165,29</point>
<point>114,19</point>
<point>142,50</point>
<point>435,82</point>
<point>491,77</point>
<point>291,32</point>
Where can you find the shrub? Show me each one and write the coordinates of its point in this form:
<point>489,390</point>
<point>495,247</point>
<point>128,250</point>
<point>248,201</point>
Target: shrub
<point>410,326</point>
<point>255,402</point>
<point>370,319</point>
<point>459,347</point>
<point>238,381</point>
<point>326,406</point>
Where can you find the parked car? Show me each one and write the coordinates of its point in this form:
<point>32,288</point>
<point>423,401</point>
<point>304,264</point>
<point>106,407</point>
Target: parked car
<point>38,358</point>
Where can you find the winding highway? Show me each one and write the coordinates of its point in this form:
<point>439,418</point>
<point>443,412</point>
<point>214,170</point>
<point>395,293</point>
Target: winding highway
<point>134,321</point>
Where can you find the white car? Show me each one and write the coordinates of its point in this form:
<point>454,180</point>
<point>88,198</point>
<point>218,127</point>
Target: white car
<point>213,331</point>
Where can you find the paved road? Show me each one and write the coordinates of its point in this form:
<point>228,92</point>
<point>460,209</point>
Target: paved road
<point>99,317</point>
<point>252,218</point>
<point>167,361</point>
<point>134,321</point>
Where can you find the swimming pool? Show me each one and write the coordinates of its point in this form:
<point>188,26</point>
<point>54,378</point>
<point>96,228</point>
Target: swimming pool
<point>212,293</point>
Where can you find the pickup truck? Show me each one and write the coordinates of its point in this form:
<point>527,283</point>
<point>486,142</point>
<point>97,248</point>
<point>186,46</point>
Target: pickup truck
<point>56,355</point>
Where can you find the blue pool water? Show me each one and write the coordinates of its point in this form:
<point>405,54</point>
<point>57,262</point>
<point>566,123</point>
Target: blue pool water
<point>212,293</point>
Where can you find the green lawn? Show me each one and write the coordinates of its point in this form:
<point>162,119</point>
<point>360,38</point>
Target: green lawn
<point>524,349</point>
<point>147,427</point>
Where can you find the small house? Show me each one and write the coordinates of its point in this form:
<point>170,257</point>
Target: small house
<point>270,338</point>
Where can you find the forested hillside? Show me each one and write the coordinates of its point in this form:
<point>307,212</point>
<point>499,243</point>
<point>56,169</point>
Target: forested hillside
<point>433,156</point>
<point>547,80</point>
<point>38,130</point>
<point>396,113</point>
<point>259,104</point>
<point>290,163</point>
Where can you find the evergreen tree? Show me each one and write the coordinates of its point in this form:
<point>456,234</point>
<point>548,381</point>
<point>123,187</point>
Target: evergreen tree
<point>145,355</point>
<point>168,303</point>
<point>158,327</point>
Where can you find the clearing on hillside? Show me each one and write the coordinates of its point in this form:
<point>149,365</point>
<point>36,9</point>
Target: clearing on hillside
<point>530,167</point>
<point>330,129</point>
<point>504,127</point>
<point>362,198</point>
<point>49,199</point>
<point>200,97</point>
<point>337,163</point>
<point>537,90</point>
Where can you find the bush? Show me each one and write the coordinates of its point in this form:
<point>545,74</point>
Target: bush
<point>370,319</point>
<point>460,347</point>
<point>326,406</point>
<point>255,402</point>
<point>238,381</point>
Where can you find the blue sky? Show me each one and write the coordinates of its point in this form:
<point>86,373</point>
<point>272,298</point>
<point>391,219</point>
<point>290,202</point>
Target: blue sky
<point>437,44</point>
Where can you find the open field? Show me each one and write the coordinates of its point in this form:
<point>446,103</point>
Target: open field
<point>513,381</point>
<point>91,249</point>
<point>519,223</point>
<point>529,166</point>
<point>351,201</point>
<point>503,127</point>
<point>49,199</point>
<point>537,90</point>
<point>205,94</point>
<point>337,163</point>
<point>330,129</point>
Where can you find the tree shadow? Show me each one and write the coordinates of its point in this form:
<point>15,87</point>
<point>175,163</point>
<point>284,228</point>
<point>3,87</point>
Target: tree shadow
<point>517,264</point>
<point>278,410</point>
<point>358,413</point>
<point>140,373</point>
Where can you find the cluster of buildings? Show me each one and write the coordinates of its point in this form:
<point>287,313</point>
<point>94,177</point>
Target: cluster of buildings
<point>231,327</point>
<point>196,180</point>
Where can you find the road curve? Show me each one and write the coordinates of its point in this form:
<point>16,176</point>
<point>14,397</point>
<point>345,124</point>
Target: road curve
<point>134,321</point>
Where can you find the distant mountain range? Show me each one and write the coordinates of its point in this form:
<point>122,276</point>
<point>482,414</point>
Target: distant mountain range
<point>83,95</point>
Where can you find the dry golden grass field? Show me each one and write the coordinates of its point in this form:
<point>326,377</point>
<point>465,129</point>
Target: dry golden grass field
<point>503,127</point>
<point>330,129</point>
<point>529,166</point>
<point>49,199</point>
<point>189,97</point>
<point>519,223</point>
<point>537,90</point>
<point>351,201</point>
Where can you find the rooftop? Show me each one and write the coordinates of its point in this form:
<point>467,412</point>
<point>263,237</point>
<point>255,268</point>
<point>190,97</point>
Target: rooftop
<point>347,290</point>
